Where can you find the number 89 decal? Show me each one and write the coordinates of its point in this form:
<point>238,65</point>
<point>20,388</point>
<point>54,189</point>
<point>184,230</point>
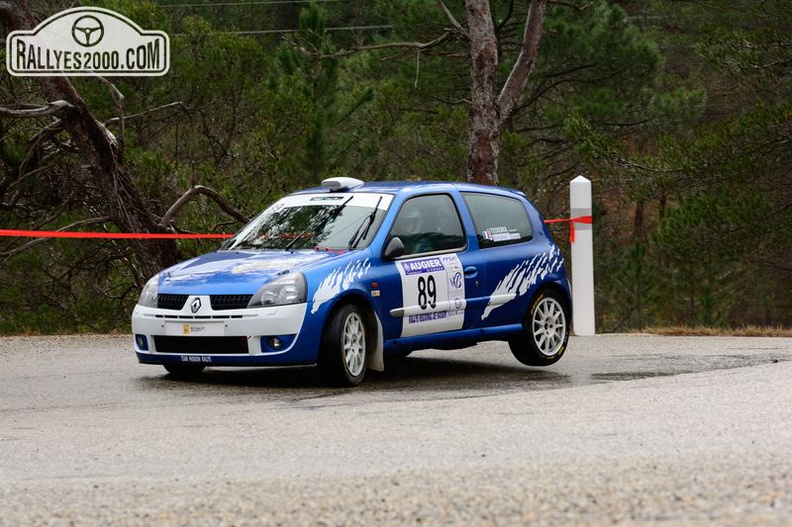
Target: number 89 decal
<point>434,295</point>
<point>427,292</point>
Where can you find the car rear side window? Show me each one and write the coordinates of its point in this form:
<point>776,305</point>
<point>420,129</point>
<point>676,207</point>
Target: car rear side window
<point>499,220</point>
<point>428,224</point>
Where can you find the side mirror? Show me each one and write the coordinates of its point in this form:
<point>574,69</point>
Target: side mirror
<point>394,249</point>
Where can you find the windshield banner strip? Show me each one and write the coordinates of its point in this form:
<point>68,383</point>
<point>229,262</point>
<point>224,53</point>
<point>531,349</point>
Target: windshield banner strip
<point>381,201</point>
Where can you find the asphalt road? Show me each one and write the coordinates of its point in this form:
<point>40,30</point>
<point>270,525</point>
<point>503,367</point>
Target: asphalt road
<point>626,430</point>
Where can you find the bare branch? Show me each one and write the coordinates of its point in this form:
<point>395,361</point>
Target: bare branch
<point>48,131</point>
<point>190,195</point>
<point>570,5</point>
<point>522,69</point>
<point>118,97</point>
<point>28,111</point>
<point>450,16</point>
<point>177,104</point>
<point>447,35</point>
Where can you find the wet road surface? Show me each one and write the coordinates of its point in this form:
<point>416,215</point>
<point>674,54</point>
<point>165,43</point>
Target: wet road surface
<point>627,429</point>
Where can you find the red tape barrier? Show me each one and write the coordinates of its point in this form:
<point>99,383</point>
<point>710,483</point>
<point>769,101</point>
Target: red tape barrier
<point>588,220</point>
<point>149,236</point>
<point>132,235</point>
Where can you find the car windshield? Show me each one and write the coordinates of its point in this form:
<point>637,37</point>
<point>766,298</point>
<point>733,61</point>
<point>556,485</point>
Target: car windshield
<point>314,221</point>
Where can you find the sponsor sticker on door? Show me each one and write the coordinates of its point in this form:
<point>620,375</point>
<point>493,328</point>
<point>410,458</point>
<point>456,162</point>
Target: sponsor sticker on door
<point>433,290</point>
<point>88,41</point>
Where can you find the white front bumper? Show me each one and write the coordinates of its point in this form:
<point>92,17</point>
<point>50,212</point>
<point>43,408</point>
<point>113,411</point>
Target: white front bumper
<point>252,323</point>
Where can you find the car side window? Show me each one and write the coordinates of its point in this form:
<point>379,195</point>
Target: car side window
<point>499,220</point>
<point>428,224</point>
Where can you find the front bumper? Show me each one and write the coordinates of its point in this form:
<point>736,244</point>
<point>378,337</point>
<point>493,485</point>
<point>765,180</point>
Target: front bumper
<point>255,337</point>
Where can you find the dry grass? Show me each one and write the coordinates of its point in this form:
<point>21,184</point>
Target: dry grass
<point>701,331</point>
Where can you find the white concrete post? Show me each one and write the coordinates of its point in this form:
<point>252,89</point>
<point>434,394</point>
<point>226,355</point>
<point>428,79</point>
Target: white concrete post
<point>582,257</point>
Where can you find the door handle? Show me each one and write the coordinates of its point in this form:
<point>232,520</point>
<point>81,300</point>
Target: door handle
<point>471,271</point>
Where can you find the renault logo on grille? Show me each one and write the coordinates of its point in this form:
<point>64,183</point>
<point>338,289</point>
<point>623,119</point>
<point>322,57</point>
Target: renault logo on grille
<point>195,306</point>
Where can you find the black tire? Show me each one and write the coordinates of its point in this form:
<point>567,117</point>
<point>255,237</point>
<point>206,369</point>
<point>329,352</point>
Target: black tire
<point>545,333</point>
<point>184,371</point>
<point>347,340</point>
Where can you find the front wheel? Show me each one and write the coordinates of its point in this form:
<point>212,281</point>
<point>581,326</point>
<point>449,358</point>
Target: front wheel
<point>343,356</point>
<point>545,333</point>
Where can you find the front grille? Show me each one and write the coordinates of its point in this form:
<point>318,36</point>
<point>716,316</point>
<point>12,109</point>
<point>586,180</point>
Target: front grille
<point>201,345</point>
<point>171,301</point>
<point>221,302</point>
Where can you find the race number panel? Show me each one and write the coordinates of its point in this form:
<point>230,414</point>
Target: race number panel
<point>433,289</point>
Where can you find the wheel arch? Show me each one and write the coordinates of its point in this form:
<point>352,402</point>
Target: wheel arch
<point>376,360</point>
<point>526,348</point>
<point>561,290</point>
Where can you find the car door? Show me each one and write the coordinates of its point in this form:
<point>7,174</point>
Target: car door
<point>436,285</point>
<point>517,255</point>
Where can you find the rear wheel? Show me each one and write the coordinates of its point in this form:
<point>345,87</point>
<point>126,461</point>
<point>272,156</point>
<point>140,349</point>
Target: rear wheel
<point>184,371</point>
<point>545,330</point>
<point>343,356</point>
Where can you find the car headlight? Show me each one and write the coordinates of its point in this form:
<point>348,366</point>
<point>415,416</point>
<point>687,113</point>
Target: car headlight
<point>287,289</point>
<point>148,297</point>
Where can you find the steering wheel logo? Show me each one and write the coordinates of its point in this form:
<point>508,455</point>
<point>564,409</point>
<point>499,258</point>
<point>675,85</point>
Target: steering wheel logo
<point>87,31</point>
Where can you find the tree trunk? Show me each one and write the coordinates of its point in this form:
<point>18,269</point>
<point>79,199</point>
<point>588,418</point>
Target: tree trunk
<point>485,119</point>
<point>121,200</point>
<point>489,109</point>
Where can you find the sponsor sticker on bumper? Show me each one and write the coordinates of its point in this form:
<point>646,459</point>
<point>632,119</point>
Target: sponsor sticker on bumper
<point>198,329</point>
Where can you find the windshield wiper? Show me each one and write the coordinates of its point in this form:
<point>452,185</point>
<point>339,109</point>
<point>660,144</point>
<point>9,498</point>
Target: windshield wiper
<point>226,245</point>
<point>368,222</point>
<point>330,215</point>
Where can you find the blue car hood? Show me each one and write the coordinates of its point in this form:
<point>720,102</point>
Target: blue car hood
<point>236,273</point>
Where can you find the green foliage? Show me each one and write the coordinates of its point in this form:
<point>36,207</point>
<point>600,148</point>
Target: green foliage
<point>309,66</point>
<point>633,282</point>
<point>679,113</point>
<point>722,242</point>
<point>702,244</point>
<point>63,287</point>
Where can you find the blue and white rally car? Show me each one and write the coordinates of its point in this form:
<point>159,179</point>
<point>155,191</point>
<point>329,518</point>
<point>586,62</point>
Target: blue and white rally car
<point>345,275</point>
